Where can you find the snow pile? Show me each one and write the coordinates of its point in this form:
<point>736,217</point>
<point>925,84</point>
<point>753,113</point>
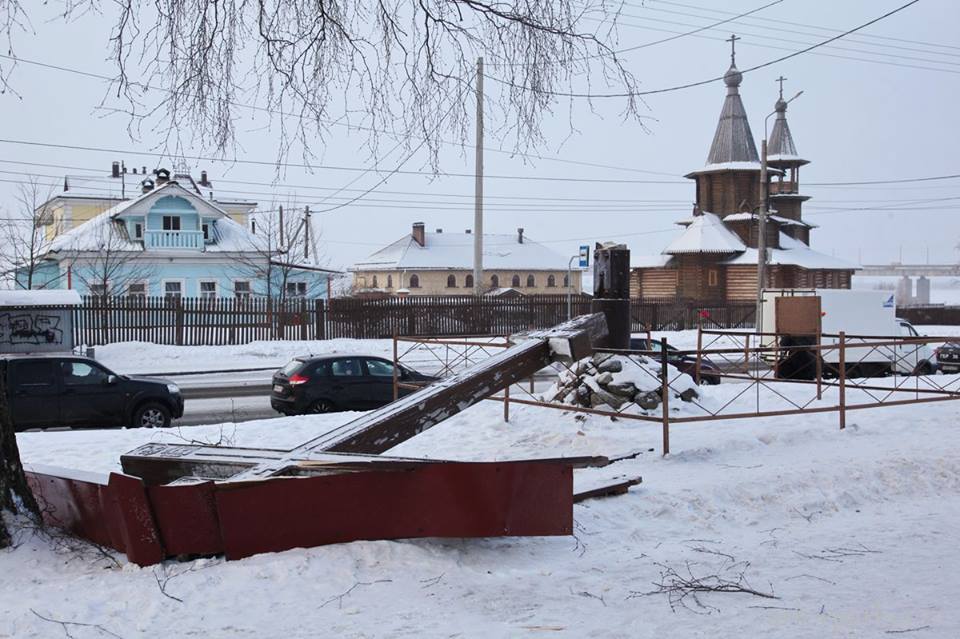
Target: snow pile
<point>607,381</point>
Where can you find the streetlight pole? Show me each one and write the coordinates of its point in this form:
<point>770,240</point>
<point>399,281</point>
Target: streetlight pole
<point>762,219</point>
<point>570,286</point>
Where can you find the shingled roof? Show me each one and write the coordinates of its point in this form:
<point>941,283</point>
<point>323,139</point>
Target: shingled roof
<point>781,148</point>
<point>733,140</point>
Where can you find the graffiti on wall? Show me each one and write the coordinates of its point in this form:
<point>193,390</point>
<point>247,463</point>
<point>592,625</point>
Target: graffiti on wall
<point>30,328</point>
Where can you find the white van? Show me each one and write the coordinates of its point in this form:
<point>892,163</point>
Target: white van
<point>860,315</point>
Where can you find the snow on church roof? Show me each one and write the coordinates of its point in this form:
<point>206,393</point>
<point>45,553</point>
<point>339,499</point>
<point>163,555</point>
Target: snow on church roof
<point>455,251</point>
<point>706,234</point>
<point>794,253</point>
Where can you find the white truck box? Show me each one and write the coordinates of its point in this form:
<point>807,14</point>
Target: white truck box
<point>858,313</point>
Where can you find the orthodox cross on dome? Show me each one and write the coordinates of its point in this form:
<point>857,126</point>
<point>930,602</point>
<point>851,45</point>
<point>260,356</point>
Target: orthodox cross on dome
<point>733,47</point>
<point>781,80</point>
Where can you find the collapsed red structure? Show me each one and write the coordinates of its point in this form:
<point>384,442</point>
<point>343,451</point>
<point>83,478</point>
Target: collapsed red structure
<point>175,500</point>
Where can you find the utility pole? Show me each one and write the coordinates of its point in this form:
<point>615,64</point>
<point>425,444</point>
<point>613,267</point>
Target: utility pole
<point>762,233</point>
<point>478,190</point>
<point>306,233</point>
<point>281,227</point>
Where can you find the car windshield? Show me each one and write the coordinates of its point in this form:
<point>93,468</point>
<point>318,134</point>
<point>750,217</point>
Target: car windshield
<point>292,367</point>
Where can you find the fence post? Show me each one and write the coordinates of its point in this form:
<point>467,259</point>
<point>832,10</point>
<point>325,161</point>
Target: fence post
<point>506,404</point>
<point>843,381</point>
<point>178,314</point>
<point>396,364</point>
<point>665,395</point>
<point>696,370</point>
<point>819,364</point>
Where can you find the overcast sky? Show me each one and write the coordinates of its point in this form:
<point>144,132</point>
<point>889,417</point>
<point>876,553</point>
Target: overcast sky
<point>880,105</point>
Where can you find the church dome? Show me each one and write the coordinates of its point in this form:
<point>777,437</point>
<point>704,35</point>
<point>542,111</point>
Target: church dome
<point>733,77</point>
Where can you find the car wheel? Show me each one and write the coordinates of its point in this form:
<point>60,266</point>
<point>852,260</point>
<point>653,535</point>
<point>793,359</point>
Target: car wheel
<point>322,406</point>
<point>151,415</point>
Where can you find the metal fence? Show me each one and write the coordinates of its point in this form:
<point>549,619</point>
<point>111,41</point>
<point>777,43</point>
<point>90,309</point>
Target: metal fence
<point>763,375</point>
<point>216,321</point>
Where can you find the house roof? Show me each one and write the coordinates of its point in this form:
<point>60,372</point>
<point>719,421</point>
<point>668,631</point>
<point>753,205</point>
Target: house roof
<point>93,234</point>
<point>455,251</point>
<point>706,234</point>
<point>783,221</point>
<point>794,253</point>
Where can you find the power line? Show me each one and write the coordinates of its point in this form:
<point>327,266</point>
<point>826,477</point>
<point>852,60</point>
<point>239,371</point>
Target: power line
<point>650,44</point>
<point>77,147</point>
<point>779,37</point>
<point>523,154</point>
<point>800,24</point>
<point>711,80</point>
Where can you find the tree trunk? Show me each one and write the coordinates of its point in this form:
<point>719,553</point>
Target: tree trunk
<point>15,495</point>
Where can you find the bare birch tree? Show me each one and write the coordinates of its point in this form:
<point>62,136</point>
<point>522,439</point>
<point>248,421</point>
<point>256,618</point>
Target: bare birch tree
<point>385,67</point>
<point>105,260</point>
<point>281,246</point>
<point>26,234</point>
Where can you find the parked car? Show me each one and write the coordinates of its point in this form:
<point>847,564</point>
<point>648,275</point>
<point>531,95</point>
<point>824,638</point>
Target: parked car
<point>335,382</point>
<point>709,372</point>
<point>57,389</point>
<point>948,357</point>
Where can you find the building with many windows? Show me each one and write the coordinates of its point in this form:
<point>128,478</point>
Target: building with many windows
<point>171,241</point>
<point>441,263</point>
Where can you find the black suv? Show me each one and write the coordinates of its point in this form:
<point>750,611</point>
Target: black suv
<point>68,390</point>
<point>334,383</point>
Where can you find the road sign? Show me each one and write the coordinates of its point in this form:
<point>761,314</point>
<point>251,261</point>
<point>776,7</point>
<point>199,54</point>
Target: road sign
<point>584,256</point>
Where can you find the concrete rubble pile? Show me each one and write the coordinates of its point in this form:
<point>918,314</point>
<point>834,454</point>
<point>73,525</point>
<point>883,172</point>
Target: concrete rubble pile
<point>606,381</point>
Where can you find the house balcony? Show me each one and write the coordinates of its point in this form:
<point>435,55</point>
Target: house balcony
<point>173,240</point>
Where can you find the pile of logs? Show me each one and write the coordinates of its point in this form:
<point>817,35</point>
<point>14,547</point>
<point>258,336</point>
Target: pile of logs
<point>607,381</point>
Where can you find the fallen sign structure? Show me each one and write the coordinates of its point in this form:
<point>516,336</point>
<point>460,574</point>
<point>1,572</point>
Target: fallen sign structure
<point>194,500</point>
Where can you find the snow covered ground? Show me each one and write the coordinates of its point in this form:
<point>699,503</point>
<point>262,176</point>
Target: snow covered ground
<point>854,532</point>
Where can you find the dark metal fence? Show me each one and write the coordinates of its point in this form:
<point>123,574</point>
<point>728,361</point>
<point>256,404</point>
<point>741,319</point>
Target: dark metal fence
<point>942,315</point>
<point>196,321</point>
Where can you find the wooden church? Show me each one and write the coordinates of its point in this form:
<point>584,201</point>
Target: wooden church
<point>714,258</point>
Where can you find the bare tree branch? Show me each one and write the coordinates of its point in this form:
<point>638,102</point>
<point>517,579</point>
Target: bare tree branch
<point>387,66</point>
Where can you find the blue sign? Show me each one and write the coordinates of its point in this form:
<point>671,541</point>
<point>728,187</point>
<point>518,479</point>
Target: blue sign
<point>584,256</point>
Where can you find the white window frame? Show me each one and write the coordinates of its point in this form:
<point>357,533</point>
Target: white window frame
<point>296,294</point>
<point>105,293</point>
<point>183,287</point>
<point>178,218</point>
<point>244,296</point>
<point>216,289</point>
<point>146,288</point>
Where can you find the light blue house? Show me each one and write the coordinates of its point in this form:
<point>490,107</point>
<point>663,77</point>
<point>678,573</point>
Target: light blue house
<point>171,242</point>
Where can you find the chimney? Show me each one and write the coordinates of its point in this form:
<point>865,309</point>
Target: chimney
<point>163,176</point>
<point>520,236</point>
<point>146,186</point>
<point>467,231</point>
<point>115,170</point>
<point>203,179</point>
<point>144,171</point>
<point>66,184</point>
<point>439,230</point>
<point>134,170</point>
<point>418,233</point>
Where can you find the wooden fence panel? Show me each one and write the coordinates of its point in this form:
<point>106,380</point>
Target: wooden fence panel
<point>194,321</point>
